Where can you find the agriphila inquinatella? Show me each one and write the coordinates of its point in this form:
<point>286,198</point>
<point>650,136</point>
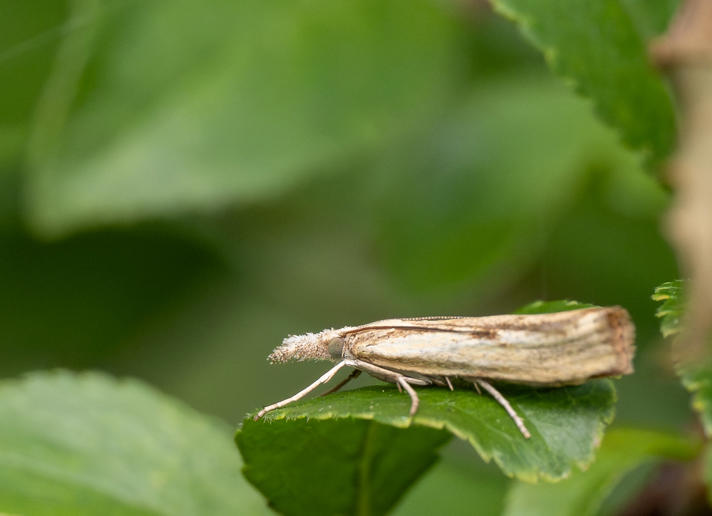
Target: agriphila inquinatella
<point>546,350</point>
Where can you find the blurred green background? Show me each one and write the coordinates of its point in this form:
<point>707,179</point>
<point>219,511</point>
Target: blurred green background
<point>182,186</point>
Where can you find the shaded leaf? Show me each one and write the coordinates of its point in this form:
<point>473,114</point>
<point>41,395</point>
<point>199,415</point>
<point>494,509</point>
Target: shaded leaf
<point>92,445</point>
<point>93,292</point>
<point>707,472</point>
<point>595,45</point>
<point>566,423</point>
<point>651,17</point>
<point>29,37</point>
<point>455,487</point>
<point>335,466</point>
<point>697,378</point>
<point>671,294</point>
<point>583,494</point>
<point>164,108</point>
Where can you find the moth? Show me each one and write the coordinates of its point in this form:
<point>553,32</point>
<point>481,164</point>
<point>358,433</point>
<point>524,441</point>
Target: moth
<point>544,350</point>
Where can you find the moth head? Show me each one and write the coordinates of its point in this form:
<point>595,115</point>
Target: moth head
<point>325,345</point>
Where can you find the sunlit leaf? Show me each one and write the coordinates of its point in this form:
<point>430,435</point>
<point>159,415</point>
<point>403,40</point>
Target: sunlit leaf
<point>92,445</point>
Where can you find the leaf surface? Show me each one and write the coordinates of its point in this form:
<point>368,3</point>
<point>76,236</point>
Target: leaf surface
<point>651,18</point>
<point>670,312</point>
<point>597,47</point>
<point>335,465</point>
<point>697,378</point>
<point>155,110</point>
<point>566,423</point>
<point>93,445</point>
<point>29,34</point>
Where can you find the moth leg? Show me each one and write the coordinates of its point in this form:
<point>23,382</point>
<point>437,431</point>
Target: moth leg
<point>323,379</point>
<point>343,382</point>
<point>387,375</point>
<point>414,401</point>
<point>391,376</point>
<point>437,380</point>
<point>503,401</point>
<point>477,387</point>
<point>449,383</point>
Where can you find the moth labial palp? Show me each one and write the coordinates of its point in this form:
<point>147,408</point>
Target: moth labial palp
<point>547,350</point>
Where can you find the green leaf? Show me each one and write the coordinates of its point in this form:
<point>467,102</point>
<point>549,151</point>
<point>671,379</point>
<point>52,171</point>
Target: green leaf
<point>651,17</point>
<point>454,486</point>
<point>92,445</point>
<point>697,378</point>
<point>544,307</point>
<point>596,46</point>
<point>159,109</point>
<point>29,36</point>
<point>672,308</point>
<point>334,465</point>
<point>566,423</point>
<point>583,494</point>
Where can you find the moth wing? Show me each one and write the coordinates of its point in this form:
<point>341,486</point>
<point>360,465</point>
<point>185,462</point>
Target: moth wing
<point>543,349</point>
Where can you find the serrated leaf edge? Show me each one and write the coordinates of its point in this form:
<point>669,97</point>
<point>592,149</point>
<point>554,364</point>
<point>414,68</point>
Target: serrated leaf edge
<point>550,53</point>
<point>405,422</point>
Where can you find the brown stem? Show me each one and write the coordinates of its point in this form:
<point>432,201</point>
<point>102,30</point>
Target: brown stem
<point>685,51</point>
